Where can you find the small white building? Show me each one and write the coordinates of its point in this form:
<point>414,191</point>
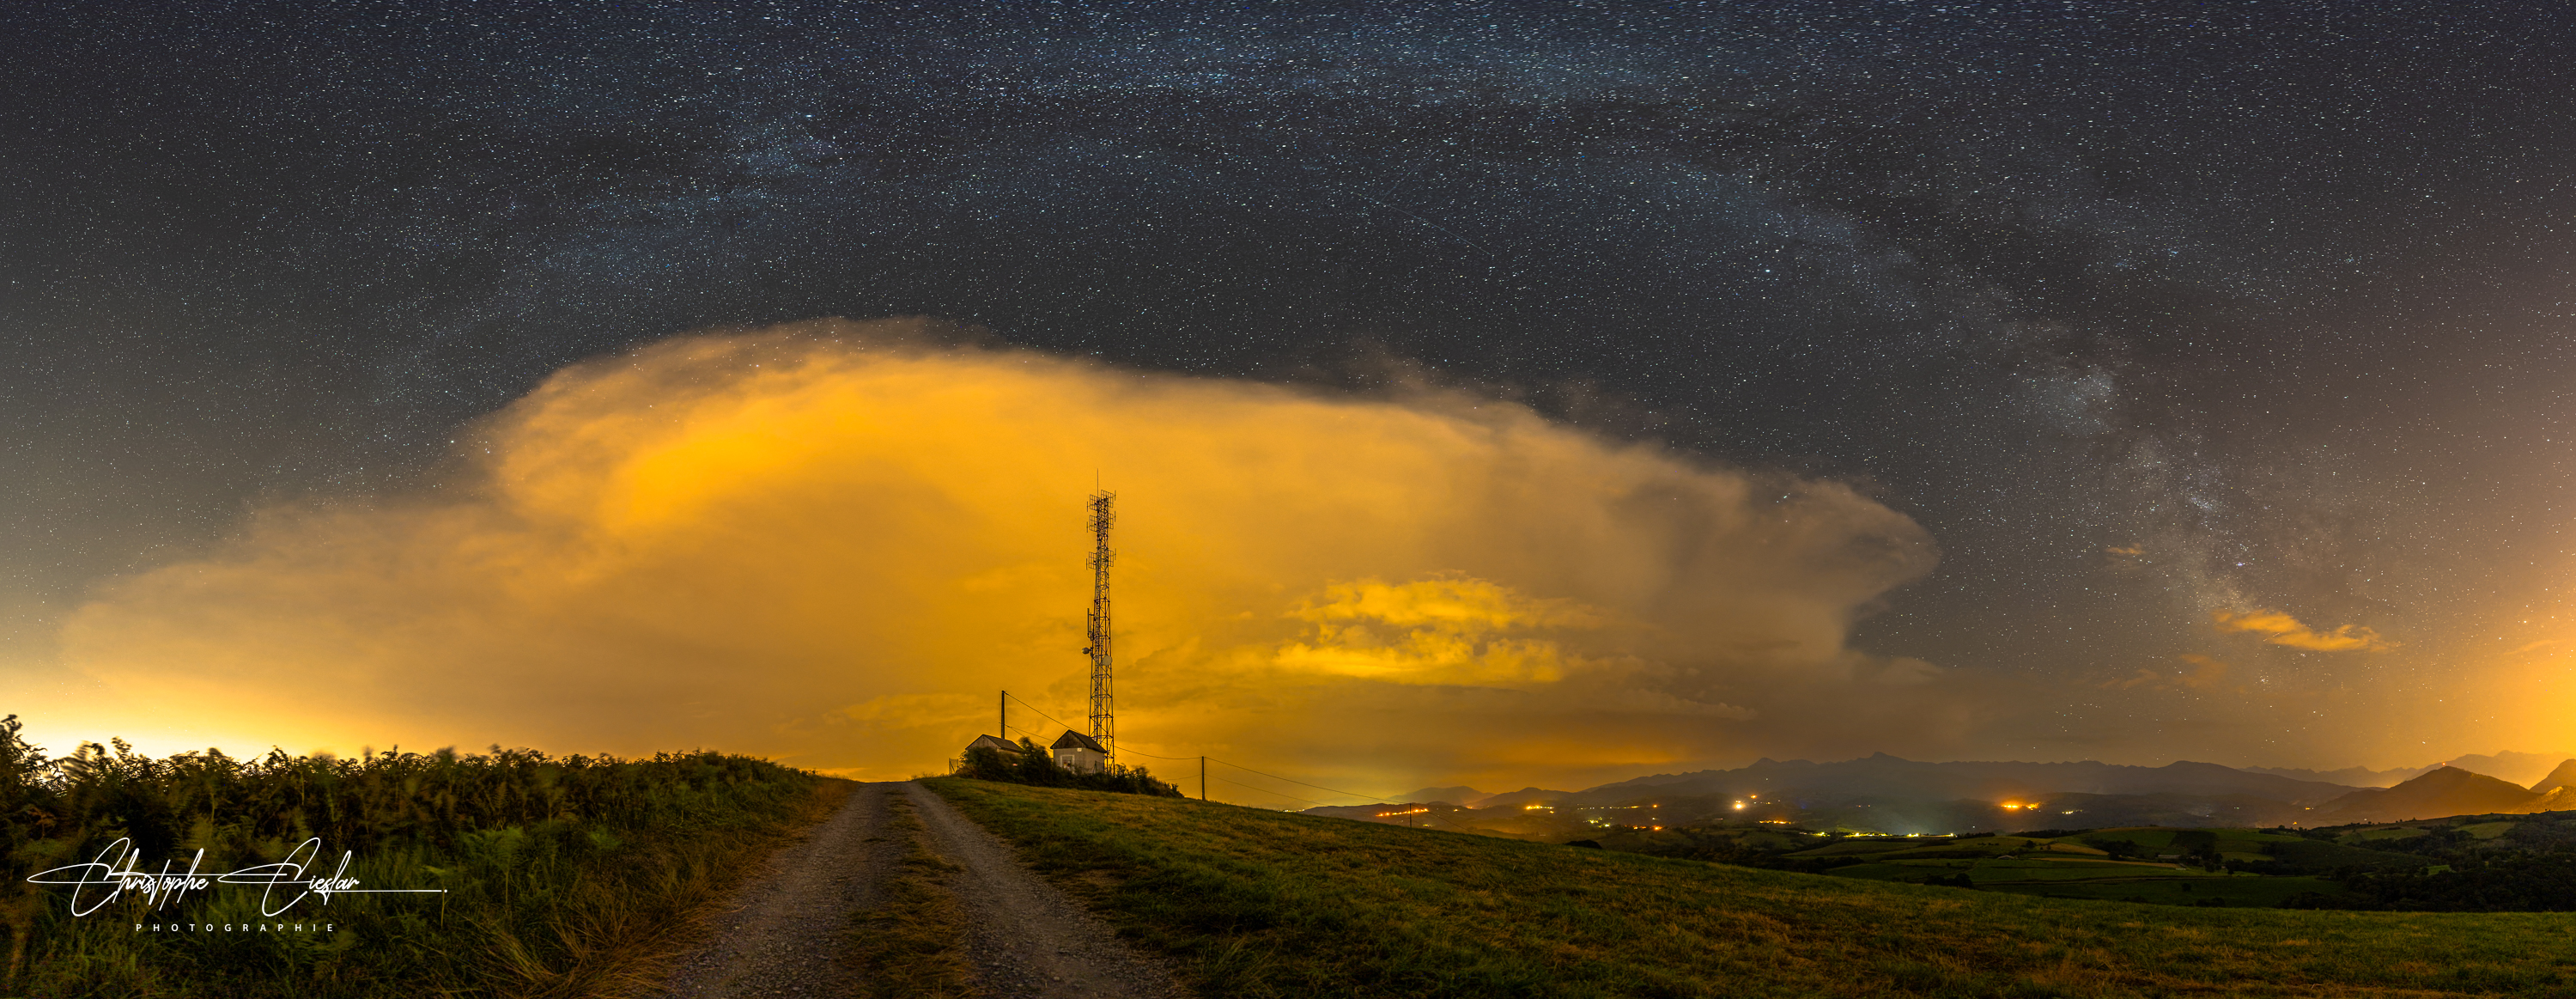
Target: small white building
<point>1079,753</point>
<point>995,743</point>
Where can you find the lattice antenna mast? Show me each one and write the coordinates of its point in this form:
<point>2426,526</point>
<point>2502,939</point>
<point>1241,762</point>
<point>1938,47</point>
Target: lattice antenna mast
<point>1104,726</point>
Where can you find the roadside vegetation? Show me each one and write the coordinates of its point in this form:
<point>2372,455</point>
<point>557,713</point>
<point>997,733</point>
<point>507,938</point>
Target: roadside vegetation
<point>1255,903</point>
<point>570,876</point>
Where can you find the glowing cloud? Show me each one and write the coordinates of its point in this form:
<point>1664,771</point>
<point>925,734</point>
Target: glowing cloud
<point>2281,629</point>
<point>1434,631</point>
<point>831,544</point>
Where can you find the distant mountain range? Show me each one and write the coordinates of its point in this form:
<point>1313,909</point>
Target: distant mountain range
<point>2508,766</point>
<point>1889,794</point>
<point>2449,791</point>
<point>1881,776</point>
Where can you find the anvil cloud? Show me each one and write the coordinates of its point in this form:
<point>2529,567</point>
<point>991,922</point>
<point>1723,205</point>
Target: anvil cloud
<point>834,543</point>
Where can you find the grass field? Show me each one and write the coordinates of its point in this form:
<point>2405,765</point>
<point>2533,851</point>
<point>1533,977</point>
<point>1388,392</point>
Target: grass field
<point>2073,867</point>
<point>1254,903</point>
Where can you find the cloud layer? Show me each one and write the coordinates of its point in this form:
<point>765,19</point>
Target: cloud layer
<point>834,543</point>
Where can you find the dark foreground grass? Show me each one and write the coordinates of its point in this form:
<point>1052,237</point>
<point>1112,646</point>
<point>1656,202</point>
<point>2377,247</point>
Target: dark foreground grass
<point>911,945</point>
<point>1255,904</point>
<point>563,877</point>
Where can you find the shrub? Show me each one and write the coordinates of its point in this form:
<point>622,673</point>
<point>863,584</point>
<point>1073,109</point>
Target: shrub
<point>1032,766</point>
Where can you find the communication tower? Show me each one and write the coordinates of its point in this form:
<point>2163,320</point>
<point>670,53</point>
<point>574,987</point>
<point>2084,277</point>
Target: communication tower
<point>1103,726</point>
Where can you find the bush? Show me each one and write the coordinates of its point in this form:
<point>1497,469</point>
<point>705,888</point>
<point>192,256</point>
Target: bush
<point>1032,766</point>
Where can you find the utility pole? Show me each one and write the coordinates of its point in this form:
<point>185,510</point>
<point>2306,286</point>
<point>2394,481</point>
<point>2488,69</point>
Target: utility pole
<point>1103,724</point>
<point>1005,733</point>
<point>1202,778</point>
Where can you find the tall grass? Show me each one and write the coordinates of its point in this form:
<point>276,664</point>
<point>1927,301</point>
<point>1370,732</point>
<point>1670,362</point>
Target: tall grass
<point>564,876</point>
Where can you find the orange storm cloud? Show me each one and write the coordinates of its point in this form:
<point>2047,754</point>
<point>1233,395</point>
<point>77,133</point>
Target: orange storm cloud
<point>2279,628</point>
<point>833,544</point>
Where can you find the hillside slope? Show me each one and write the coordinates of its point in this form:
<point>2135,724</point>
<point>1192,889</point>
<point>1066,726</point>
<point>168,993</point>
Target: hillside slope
<point>1255,903</point>
<point>2564,776</point>
<point>2445,791</point>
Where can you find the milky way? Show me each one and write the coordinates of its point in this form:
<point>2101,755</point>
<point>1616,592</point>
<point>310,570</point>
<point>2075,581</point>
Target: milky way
<point>2148,314</point>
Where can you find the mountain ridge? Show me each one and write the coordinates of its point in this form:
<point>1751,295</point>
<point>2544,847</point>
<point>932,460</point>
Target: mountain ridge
<point>1883,775</point>
<point>2445,791</point>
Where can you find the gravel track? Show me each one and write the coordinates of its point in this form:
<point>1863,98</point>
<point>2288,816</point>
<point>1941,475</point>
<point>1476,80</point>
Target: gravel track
<point>1029,941</point>
<point>781,934</point>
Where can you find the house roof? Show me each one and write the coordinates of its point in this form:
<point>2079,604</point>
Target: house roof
<point>1076,740</point>
<point>996,742</point>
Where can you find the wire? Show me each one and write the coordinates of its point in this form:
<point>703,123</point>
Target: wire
<point>1267,791</point>
<point>1300,783</point>
<point>1434,816</point>
<point>1272,776</point>
<point>1348,794</point>
<point>1041,714</point>
<point>1014,728</point>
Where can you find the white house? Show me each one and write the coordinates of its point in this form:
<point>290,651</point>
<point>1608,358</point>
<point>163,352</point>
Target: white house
<point>1077,752</point>
<point>996,743</point>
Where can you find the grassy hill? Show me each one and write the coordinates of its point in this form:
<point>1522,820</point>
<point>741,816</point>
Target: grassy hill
<point>1255,903</point>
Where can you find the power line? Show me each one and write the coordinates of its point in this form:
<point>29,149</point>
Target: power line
<point>1272,776</point>
<point>1300,783</point>
<point>1261,790</point>
<point>1041,714</point>
<point>1434,816</point>
<point>1014,728</point>
<point>1444,820</point>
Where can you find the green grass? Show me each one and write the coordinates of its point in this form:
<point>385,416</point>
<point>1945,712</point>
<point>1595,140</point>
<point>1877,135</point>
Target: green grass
<point>1254,903</point>
<point>2238,891</point>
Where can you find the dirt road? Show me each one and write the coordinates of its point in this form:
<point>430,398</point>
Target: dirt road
<point>1026,938</point>
<point>784,932</point>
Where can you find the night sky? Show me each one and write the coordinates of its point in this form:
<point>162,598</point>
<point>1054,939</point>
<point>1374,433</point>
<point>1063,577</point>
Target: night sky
<point>2157,318</point>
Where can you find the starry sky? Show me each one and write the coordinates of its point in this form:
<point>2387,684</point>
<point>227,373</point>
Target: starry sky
<point>2220,350</point>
